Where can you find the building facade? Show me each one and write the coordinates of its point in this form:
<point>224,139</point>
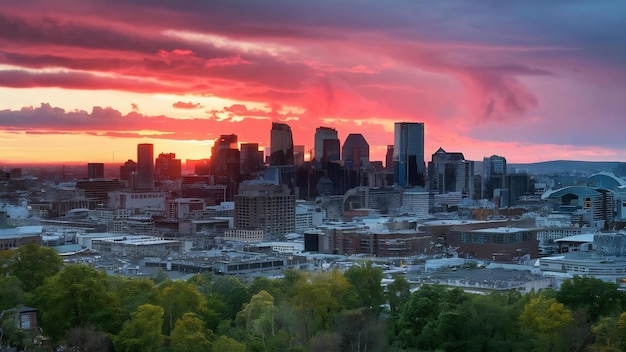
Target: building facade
<point>167,167</point>
<point>326,144</point>
<point>408,154</point>
<point>281,145</point>
<point>145,166</point>
<point>267,207</point>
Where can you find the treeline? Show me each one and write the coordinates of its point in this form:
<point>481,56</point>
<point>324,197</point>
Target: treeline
<point>84,309</point>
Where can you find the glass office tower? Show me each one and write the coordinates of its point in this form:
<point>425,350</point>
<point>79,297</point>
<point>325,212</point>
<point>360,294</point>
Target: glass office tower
<point>408,154</point>
<point>281,145</point>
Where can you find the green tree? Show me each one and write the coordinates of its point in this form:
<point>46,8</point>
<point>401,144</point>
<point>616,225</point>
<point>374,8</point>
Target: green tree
<point>226,344</point>
<point>598,298</point>
<point>142,332</point>
<point>490,325</point>
<point>621,331</point>
<point>258,316</point>
<point>546,318</point>
<point>32,264</point>
<point>272,286</point>
<point>10,334</point>
<point>11,292</point>
<point>190,335</point>
<point>367,281</point>
<point>606,335</point>
<point>319,297</point>
<point>398,293</point>
<point>232,293</point>
<point>132,292</point>
<point>78,295</point>
<point>431,314</point>
<point>177,298</point>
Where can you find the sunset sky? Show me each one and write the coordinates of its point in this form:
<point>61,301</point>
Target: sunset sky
<point>530,80</point>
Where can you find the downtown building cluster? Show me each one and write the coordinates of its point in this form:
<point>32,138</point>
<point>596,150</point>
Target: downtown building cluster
<point>336,201</point>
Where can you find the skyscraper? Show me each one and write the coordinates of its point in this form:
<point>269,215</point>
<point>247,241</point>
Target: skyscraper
<point>298,155</point>
<point>389,158</point>
<point>494,176</point>
<point>127,171</point>
<point>327,144</point>
<point>225,157</point>
<point>356,150</point>
<point>167,167</point>
<point>251,158</point>
<point>408,154</point>
<point>95,170</point>
<point>281,145</point>
<point>450,172</point>
<point>145,166</point>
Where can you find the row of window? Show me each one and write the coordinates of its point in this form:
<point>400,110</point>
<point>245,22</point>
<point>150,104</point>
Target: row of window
<point>499,238</point>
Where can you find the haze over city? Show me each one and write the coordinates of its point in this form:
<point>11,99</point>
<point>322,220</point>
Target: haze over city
<point>532,81</point>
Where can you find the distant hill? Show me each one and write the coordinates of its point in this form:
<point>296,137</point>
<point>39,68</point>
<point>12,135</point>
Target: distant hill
<point>571,167</point>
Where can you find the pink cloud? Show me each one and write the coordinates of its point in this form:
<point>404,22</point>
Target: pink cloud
<point>466,70</point>
<point>189,105</point>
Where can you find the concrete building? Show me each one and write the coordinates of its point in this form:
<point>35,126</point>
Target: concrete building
<point>184,208</point>
<point>601,256</point>
<point>385,200</point>
<point>12,238</point>
<point>136,200</point>
<point>379,238</point>
<point>502,244</point>
<point>136,246</point>
<point>244,235</point>
<point>415,202</point>
<point>265,206</point>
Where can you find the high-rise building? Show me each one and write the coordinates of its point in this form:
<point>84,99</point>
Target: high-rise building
<point>356,150</point>
<point>167,167</point>
<point>450,172</point>
<point>128,173</point>
<point>281,145</point>
<point>267,207</point>
<point>327,146</point>
<point>95,170</point>
<point>494,176</point>
<point>226,163</point>
<point>518,184</point>
<point>225,157</point>
<point>298,154</point>
<point>145,166</point>
<point>408,154</point>
<point>389,158</point>
<point>251,158</point>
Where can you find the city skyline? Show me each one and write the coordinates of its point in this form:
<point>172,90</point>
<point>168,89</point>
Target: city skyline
<point>529,81</point>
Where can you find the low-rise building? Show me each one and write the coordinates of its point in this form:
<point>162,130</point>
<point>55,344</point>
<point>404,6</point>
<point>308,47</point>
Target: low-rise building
<point>600,255</point>
<point>136,246</point>
<point>15,237</point>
